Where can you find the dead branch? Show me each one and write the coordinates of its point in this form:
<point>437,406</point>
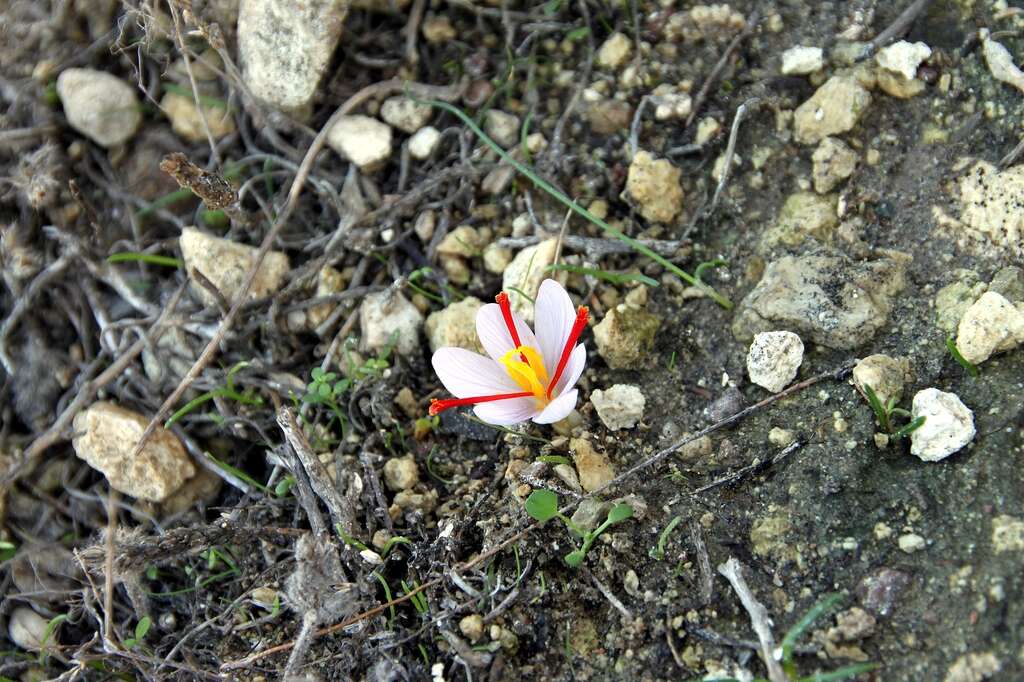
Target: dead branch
<point>759,620</point>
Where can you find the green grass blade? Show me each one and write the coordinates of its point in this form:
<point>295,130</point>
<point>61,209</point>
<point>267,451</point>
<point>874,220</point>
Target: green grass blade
<point>152,259</point>
<point>908,429</point>
<point>205,100</point>
<point>968,366</point>
<point>813,614</point>
<point>164,201</point>
<point>238,473</point>
<point>571,204</point>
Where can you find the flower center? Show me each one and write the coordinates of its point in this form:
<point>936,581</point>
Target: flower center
<point>526,368</point>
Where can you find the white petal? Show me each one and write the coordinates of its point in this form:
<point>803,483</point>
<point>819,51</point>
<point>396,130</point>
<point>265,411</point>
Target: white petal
<point>554,317</point>
<point>505,412</point>
<point>558,409</point>
<point>573,369</point>
<point>466,374</point>
<point>494,335</point>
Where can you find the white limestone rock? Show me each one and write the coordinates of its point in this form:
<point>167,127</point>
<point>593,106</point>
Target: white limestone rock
<point>363,140</point>
<point>948,425</point>
<point>100,106</point>
<point>614,52</point>
<point>801,60</point>
<point>833,109</point>
<point>991,325</point>
<point>405,114</point>
<point>903,58</point>
<point>105,436</point>
<point>423,143</point>
<point>774,358</point>
<point>285,48</point>
<point>526,271</point>
<point>388,317</point>
<point>226,263</point>
<point>619,407</point>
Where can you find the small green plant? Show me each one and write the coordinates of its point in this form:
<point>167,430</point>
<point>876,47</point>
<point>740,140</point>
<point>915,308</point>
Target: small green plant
<point>658,553</point>
<point>968,366</point>
<point>885,413</point>
<point>390,544</point>
<point>349,540</point>
<point>151,258</point>
<point>554,459</point>
<point>49,634</point>
<point>227,391</point>
<point>419,600</point>
<point>284,486</point>
<point>205,100</point>
<point>431,469</point>
<point>542,505</point>
<point>387,595</point>
<point>787,649</point>
<point>238,473</point>
<point>141,628</point>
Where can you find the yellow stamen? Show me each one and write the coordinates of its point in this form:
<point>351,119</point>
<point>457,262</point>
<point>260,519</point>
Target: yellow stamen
<point>530,375</point>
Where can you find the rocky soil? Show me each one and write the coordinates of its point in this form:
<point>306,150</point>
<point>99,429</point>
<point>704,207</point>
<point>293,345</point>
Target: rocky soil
<point>233,232</point>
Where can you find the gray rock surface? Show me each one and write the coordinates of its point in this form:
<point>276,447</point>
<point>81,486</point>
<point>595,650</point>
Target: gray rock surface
<point>285,48</point>
<point>832,300</point>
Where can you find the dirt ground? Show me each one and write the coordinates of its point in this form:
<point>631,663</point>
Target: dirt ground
<point>304,517</point>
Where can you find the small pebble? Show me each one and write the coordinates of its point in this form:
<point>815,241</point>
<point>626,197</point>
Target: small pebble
<point>948,425</point>
<point>911,542</point>
<point>774,358</point>
<point>619,407</point>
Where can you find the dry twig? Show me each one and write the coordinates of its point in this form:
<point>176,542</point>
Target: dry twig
<point>733,572</point>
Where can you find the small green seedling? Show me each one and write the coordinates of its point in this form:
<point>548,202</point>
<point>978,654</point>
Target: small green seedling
<point>885,413</point>
<point>284,486</point>
<point>658,553</point>
<point>542,505</point>
<point>151,258</point>
<point>968,366</point>
<point>227,391</point>
<point>349,540</point>
<point>787,649</point>
<point>141,628</point>
<point>387,594</point>
<point>49,634</point>
<point>419,599</point>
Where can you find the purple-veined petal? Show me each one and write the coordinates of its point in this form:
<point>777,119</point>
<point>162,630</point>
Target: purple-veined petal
<point>494,335</point>
<point>554,316</point>
<point>505,412</point>
<point>573,370</point>
<point>466,374</point>
<point>559,408</point>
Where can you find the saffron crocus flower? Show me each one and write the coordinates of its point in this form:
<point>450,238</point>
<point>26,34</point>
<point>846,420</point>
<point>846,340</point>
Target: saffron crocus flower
<point>527,376</point>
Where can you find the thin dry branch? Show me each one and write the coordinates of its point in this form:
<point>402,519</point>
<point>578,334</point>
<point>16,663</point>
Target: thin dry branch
<point>759,620</point>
